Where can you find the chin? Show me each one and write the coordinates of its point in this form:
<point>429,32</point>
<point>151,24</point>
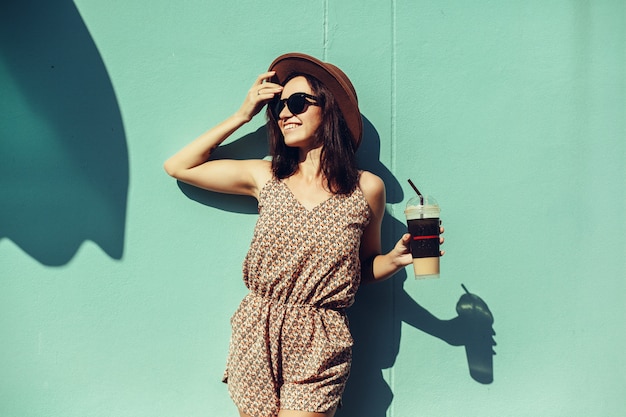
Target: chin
<point>297,142</point>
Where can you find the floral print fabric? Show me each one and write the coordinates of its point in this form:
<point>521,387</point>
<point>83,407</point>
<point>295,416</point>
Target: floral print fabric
<point>291,347</point>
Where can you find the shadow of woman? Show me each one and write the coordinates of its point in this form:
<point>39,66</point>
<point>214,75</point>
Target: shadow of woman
<point>375,320</point>
<point>250,146</point>
<point>380,309</point>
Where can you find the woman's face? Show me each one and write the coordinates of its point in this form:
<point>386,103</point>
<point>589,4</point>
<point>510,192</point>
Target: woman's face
<point>299,129</point>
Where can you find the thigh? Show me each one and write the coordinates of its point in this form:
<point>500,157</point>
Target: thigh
<point>296,413</point>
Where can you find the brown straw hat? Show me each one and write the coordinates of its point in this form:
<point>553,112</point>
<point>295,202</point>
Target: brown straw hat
<point>332,77</point>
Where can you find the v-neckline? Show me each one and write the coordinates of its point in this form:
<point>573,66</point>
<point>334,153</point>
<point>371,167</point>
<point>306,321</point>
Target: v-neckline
<point>299,203</point>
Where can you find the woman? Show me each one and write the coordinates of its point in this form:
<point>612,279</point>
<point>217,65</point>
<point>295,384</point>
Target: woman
<point>317,237</point>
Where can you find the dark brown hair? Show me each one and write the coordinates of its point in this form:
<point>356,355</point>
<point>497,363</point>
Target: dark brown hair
<point>338,159</point>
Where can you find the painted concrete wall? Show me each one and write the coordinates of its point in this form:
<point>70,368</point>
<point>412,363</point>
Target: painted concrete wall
<point>117,284</point>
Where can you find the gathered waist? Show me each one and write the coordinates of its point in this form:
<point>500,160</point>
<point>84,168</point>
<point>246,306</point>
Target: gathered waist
<point>256,298</point>
<point>265,319</point>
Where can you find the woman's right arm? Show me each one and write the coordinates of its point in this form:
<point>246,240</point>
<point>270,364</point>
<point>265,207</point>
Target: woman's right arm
<point>191,164</point>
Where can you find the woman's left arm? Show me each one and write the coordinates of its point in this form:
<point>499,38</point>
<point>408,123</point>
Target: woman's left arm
<point>377,267</point>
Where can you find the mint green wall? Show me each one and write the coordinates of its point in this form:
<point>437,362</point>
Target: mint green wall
<point>116,284</point>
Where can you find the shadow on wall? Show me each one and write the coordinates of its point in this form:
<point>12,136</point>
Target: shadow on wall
<point>376,326</point>
<point>63,155</point>
<point>251,146</point>
<point>376,332</point>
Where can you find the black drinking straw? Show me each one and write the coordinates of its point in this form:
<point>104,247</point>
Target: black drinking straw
<point>417,191</point>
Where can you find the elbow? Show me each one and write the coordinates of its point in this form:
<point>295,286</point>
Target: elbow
<point>170,169</point>
<point>367,270</point>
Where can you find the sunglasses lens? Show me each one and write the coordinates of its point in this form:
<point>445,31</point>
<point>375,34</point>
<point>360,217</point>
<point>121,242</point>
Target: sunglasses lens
<point>278,107</point>
<point>296,103</point>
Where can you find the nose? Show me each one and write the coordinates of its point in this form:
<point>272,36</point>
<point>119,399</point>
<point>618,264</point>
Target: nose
<point>284,112</point>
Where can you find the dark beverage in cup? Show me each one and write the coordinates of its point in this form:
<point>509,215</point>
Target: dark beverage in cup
<point>422,215</point>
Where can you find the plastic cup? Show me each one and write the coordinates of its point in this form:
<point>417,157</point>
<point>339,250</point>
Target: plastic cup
<point>422,216</point>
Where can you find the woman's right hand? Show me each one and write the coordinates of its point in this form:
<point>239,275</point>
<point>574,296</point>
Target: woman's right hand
<point>259,94</point>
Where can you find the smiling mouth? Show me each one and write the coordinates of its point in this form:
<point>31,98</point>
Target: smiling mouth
<point>290,126</point>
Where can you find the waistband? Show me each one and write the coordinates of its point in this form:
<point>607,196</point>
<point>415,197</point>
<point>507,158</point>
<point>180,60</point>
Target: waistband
<point>258,298</point>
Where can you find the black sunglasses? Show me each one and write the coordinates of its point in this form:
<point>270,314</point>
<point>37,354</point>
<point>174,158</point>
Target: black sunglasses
<point>297,103</point>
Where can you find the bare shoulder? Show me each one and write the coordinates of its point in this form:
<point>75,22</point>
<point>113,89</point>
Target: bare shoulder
<point>259,167</point>
<point>373,189</point>
<point>371,183</point>
<point>261,170</point>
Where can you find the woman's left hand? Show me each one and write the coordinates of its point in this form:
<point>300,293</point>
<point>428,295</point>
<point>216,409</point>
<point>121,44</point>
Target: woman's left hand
<point>402,251</point>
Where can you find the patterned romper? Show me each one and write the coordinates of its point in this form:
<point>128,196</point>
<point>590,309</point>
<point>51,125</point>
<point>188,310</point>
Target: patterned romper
<point>291,347</point>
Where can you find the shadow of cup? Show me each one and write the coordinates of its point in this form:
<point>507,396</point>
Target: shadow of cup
<point>478,327</point>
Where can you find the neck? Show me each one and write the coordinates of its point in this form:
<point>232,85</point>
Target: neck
<point>309,164</point>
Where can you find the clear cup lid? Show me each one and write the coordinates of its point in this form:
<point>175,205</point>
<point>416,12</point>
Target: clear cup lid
<point>422,201</point>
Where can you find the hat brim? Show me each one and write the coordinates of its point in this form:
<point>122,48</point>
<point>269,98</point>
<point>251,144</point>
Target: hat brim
<point>332,77</point>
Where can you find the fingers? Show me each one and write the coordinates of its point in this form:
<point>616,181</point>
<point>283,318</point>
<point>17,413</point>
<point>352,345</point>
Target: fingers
<point>265,77</point>
<point>259,94</point>
<point>263,87</point>
<point>441,240</point>
<point>267,91</point>
<point>404,244</point>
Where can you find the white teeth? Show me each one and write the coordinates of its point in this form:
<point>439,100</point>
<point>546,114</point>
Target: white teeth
<point>291,126</point>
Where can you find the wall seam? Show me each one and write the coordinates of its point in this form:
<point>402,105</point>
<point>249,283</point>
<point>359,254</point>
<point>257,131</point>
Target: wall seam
<point>393,87</point>
<point>392,164</point>
<point>325,34</point>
